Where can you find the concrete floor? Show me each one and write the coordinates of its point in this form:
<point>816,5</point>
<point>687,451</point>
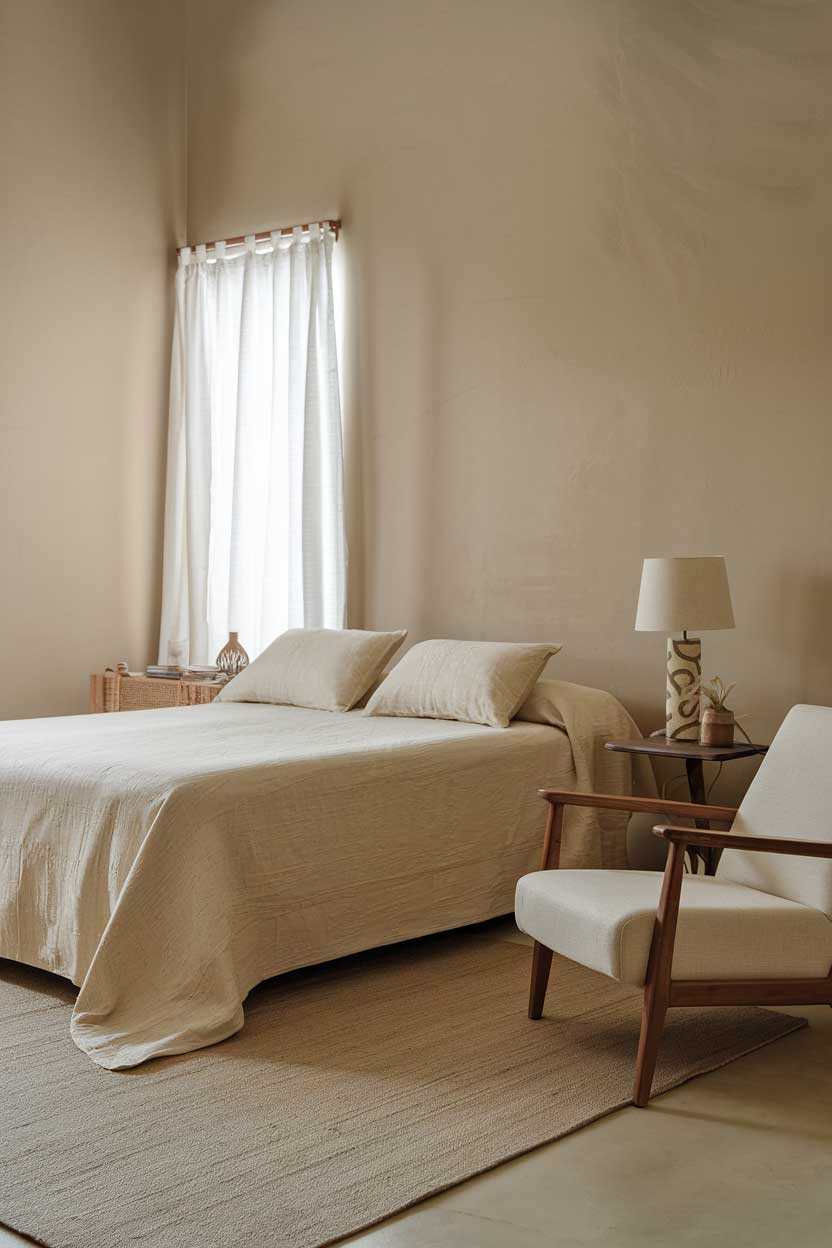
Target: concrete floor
<point>740,1157</point>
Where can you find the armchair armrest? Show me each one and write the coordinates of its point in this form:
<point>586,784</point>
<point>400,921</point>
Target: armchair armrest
<point>644,805</point>
<point>727,840</point>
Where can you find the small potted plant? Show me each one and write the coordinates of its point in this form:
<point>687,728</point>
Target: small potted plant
<point>717,724</point>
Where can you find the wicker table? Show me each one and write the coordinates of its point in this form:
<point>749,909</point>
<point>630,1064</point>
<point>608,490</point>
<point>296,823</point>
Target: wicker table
<point>110,691</point>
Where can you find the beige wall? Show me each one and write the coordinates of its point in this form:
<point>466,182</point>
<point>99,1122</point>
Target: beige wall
<point>92,153</point>
<point>590,289</point>
<point>588,276</point>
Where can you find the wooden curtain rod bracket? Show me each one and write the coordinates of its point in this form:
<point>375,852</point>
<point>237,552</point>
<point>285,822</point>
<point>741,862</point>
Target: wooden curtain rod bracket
<point>265,235</point>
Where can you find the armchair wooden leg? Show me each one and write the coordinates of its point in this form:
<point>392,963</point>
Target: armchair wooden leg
<point>542,957</point>
<point>541,963</point>
<point>652,1025</point>
<point>659,969</point>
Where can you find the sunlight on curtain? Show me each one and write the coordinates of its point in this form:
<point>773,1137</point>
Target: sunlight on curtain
<point>254,522</point>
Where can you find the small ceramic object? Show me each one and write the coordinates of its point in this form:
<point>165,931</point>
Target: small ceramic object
<point>717,727</point>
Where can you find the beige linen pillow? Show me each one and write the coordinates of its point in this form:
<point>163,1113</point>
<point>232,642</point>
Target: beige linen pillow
<point>326,669</point>
<point>478,682</point>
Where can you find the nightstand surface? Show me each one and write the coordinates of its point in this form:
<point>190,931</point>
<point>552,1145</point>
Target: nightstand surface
<point>662,748</point>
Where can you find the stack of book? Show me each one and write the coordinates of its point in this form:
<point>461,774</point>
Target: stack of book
<point>164,671</point>
<point>198,671</point>
<point>171,671</point>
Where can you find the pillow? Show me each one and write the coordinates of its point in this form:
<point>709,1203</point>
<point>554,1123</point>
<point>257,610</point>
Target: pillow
<point>478,682</point>
<point>365,698</point>
<point>326,669</point>
<point>541,706</point>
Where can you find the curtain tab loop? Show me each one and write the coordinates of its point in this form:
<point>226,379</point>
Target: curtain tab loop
<point>250,240</point>
<point>219,249</point>
<point>315,232</point>
<point>275,237</point>
<point>185,255</point>
<point>201,253</point>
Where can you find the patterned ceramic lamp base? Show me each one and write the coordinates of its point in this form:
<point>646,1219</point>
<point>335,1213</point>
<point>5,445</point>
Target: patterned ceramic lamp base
<point>684,677</point>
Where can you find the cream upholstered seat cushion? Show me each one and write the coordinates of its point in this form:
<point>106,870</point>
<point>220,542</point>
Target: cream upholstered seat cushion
<point>604,920</point>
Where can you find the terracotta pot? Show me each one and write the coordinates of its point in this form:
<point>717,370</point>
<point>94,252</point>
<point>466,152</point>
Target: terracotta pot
<point>716,727</point>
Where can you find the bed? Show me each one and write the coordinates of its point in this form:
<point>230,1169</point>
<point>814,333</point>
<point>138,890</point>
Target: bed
<point>166,861</point>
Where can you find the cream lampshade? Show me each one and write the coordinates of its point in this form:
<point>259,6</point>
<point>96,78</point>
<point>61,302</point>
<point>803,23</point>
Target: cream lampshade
<point>677,595</point>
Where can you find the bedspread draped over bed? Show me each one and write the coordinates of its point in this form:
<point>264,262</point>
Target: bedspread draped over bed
<point>167,861</point>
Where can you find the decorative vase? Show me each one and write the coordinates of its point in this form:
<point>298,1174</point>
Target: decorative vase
<point>717,727</point>
<point>232,658</point>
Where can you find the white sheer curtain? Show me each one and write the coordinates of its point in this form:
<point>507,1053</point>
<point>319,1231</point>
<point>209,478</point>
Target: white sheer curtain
<point>254,526</point>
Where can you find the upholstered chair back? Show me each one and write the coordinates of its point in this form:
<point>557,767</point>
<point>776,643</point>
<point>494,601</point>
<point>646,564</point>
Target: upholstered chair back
<point>791,795</point>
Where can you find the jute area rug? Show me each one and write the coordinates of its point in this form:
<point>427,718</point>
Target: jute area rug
<point>354,1090</point>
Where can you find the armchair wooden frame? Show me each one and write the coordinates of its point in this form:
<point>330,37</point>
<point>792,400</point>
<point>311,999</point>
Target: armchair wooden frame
<point>661,991</point>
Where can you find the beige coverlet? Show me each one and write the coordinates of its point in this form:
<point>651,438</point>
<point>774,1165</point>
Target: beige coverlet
<point>167,861</point>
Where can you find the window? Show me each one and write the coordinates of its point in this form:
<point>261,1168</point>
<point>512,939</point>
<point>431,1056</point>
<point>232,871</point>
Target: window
<point>254,523</point>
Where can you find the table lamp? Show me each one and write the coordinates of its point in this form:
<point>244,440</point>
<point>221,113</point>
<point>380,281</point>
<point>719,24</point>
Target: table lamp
<point>677,595</point>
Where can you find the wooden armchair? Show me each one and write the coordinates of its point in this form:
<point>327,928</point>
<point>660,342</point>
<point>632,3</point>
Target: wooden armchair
<point>759,932</point>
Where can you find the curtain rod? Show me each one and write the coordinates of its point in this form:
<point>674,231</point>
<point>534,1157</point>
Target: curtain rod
<point>264,235</point>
